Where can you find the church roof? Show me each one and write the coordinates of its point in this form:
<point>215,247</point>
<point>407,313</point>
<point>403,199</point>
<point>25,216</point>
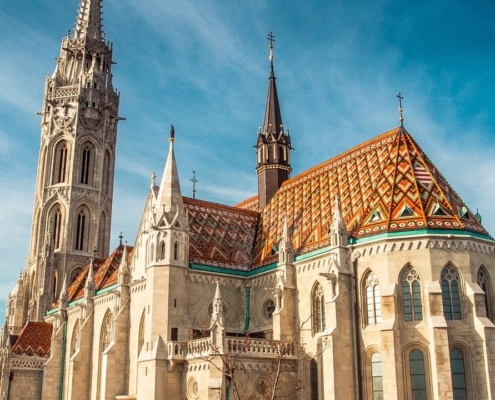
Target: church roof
<point>34,339</point>
<point>220,236</point>
<point>384,185</point>
<point>105,273</point>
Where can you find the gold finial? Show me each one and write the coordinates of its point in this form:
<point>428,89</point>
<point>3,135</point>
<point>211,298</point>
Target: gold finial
<point>271,38</point>
<point>401,118</point>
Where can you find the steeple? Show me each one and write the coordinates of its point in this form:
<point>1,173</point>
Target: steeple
<point>169,195</point>
<point>88,23</point>
<point>273,144</point>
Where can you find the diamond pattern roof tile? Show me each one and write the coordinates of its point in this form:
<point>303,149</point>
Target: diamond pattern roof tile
<point>34,339</point>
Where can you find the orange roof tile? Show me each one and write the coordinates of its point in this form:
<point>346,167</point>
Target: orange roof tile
<point>34,339</point>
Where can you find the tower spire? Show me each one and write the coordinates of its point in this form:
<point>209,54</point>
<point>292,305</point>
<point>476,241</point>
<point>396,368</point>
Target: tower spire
<point>88,22</point>
<point>273,145</point>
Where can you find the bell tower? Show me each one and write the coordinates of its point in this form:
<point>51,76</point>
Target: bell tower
<point>74,186</point>
<point>273,145</point>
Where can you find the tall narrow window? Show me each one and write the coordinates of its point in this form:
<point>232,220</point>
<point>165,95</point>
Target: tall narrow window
<point>373,300</point>
<point>377,376</point>
<point>458,374</point>
<point>318,309</point>
<point>141,333</point>
<point>417,375</point>
<point>313,377</point>
<point>55,284</point>
<point>451,294</point>
<point>162,250</point>
<point>80,230</point>
<point>176,251</point>
<point>106,331</point>
<point>106,172</point>
<point>57,228</point>
<point>484,282</point>
<point>85,164</point>
<point>411,295</point>
<point>60,163</point>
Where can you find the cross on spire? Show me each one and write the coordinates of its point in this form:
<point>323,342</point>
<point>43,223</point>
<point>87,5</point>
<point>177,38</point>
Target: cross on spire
<point>194,181</point>
<point>271,39</point>
<point>401,118</point>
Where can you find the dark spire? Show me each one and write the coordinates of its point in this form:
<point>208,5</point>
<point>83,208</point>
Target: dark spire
<point>273,145</point>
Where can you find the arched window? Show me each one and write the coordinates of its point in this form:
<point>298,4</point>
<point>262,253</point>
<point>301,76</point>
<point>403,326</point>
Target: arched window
<point>102,243</point>
<point>106,331</point>
<point>373,300</point>
<point>162,250</point>
<point>411,294</point>
<point>106,173</point>
<point>55,284</point>
<point>376,376</point>
<point>451,293</point>
<point>74,344</point>
<point>87,162</point>
<point>417,375</point>
<point>458,374</point>
<point>82,229</point>
<point>57,227</point>
<point>141,334</point>
<point>318,300</point>
<point>60,163</point>
<point>313,378</point>
<point>485,284</point>
<point>176,251</point>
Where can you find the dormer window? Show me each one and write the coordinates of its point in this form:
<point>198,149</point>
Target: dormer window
<point>438,211</point>
<point>406,212</point>
<point>376,216</point>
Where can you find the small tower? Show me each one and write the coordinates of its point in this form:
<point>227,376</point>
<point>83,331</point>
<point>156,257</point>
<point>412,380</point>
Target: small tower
<point>273,144</point>
<point>74,189</point>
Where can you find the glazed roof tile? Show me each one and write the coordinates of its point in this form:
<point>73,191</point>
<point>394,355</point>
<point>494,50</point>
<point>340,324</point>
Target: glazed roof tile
<point>220,236</point>
<point>105,273</point>
<point>384,185</point>
<point>34,339</point>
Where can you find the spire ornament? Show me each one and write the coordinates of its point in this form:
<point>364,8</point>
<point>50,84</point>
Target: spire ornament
<point>271,39</point>
<point>194,181</point>
<point>401,118</point>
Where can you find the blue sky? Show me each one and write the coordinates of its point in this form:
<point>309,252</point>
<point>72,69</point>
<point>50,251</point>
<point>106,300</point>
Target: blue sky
<point>203,66</point>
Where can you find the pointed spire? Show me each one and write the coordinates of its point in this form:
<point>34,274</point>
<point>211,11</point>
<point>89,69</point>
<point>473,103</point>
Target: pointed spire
<point>170,195</point>
<point>337,215</point>
<point>89,288</point>
<point>338,230</point>
<point>285,251</point>
<point>88,23</point>
<point>273,117</point>
<point>64,295</point>
<point>217,314</point>
<point>123,267</point>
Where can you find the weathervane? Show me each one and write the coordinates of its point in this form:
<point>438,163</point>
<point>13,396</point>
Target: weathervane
<point>401,118</point>
<point>271,38</point>
<point>194,181</point>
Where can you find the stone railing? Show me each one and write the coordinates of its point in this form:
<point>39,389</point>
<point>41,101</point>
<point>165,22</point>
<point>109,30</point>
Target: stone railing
<point>238,346</point>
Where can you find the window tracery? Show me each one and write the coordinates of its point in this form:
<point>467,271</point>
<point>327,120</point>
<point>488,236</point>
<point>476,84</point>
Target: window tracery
<point>451,294</point>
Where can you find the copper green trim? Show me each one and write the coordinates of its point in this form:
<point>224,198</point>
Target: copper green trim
<point>52,311</point>
<point>247,319</point>
<point>62,363</point>
<point>244,274</point>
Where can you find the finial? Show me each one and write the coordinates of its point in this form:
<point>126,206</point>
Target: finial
<point>172,133</point>
<point>120,238</point>
<point>153,180</point>
<point>194,181</point>
<point>401,118</point>
<point>271,39</point>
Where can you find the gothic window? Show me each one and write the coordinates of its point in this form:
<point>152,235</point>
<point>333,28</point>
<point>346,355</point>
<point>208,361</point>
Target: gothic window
<point>457,367</point>
<point>152,252</point>
<point>82,229</point>
<point>75,274</point>
<point>268,309</point>
<point>102,245</point>
<point>176,251</point>
<point>485,284</point>
<point>60,163</point>
<point>106,173</point>
<point>141,333</point>
<point>451,294</point>
<point>162,250</point>
<point>57,228</point>
<point>107,331</point>
<point>87,162</point>
<point>376,376</point>
<point>373,300</point>
<point>411,294</point>
<point>74,344</point>
<point>318,311</point>
<point>417,375</point>
<point>313,379</point>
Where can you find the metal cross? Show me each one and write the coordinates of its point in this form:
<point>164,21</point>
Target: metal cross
<point>194,181</point>
<point>401,118</point>
<point>271,38</point>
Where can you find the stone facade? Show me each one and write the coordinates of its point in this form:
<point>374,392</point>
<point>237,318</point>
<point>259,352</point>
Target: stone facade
<point>365,277</point>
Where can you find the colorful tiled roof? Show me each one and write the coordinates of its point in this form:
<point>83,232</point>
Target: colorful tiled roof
<point>105,273</point>
<point>34,339</point>
<point>220,236</point>
<point>384,185</point>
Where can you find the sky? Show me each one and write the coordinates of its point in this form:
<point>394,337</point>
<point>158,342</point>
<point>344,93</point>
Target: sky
<point>203,66</point>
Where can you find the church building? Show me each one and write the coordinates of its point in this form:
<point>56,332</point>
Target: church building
<point>364,277</point>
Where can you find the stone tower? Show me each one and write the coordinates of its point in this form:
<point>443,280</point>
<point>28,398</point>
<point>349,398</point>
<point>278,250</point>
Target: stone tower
<point>273,145</point>
<point>73,194</point>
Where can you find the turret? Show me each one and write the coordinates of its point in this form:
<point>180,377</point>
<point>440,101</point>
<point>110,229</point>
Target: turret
<point>273,144</point>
